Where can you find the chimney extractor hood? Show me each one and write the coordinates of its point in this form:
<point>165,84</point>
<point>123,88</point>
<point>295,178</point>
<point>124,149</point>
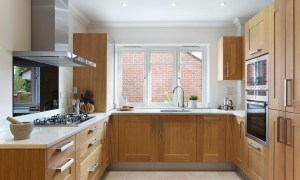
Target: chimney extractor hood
<point>50,36</point>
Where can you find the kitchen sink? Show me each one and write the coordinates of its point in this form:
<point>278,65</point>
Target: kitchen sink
<point>174,110</point>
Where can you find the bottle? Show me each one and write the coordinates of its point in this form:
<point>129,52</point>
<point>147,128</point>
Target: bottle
<point>81,100</point>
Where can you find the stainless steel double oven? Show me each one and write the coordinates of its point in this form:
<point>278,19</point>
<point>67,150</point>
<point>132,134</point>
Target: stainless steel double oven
<point>257,99</point>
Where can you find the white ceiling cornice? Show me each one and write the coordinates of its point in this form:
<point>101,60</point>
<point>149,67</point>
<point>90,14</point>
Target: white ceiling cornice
<point>79,16</point>
<point>159,24</point>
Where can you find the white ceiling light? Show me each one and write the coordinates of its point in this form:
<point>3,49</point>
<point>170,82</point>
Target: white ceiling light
<point>222,4</point>
<point>173,3</point>
<point>124,4</point>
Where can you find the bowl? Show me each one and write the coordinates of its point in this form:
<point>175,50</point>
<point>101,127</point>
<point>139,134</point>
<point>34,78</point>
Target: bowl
<point>21,131</point>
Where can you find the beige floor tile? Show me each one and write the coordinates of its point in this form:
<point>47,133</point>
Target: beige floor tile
<point>115,175</point>
<point>171,175</point>
<point>141,175</point>
<point>229,175</point>
<point>203,175</point>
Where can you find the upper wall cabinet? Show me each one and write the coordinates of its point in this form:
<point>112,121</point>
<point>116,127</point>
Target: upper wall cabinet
<point>99,48</point>
<point>230,58</point>
<point>256,35</point>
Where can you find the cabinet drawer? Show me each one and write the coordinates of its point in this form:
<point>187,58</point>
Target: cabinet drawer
<point>256,160</point>
<point>92,165</point>
<point>89,139</point>
<point>61,160</point>
<point>60,150</point>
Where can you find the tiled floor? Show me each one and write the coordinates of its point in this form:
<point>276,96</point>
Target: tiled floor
<point>172,175</point>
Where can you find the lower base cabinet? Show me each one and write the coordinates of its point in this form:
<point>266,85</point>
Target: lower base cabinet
<point>211,138</point>
<point>256,161</point>
<point>239,143</point>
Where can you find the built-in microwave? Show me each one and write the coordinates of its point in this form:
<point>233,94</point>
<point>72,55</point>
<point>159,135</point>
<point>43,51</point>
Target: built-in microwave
<point>257,73</point>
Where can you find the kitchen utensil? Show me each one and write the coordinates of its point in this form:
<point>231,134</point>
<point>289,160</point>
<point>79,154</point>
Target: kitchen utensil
<point>21,131</point>
<point>13,120</point>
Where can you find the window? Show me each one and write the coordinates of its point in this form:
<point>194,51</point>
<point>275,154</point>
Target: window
<point>147,75</point>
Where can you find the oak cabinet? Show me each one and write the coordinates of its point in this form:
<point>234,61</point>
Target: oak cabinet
<point>137,138</point>
<point>256,161</point>
<point>211,138</point>
<point>230,58</point>
<point>239,142</point>
<point>284,146</point>
<point>256,35</point>
<point>178,138</point>
<point>99,48</point>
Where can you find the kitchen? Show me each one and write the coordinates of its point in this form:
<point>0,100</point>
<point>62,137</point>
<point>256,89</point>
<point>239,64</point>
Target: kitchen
<point>156,140</point>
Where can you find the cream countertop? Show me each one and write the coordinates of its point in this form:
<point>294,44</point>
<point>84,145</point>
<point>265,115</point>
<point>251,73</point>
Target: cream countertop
<point>44,137</point>
<point>240,113</point>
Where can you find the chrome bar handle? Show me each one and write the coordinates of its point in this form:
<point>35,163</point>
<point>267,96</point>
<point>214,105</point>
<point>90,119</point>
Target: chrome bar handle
<point>286,131</point>
<point>93,129</point>
<point>65,147</point>
<point>252,52</point>
<point>227,69</point>
<point>278,128</point>
<point>94,142</point>
<point>65,166</point>
<point>94,168</point>
<point>241,129</point>
<point>254,147</point>
<point>287,92</point>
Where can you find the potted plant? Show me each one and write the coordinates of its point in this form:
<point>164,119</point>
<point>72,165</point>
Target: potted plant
<point>193,101</point>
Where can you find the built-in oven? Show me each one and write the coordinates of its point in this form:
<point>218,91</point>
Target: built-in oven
<point>257,116</point>
<point>257,73</point>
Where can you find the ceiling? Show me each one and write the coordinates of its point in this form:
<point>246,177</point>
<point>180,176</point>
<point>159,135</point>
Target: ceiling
<point>161,10</point>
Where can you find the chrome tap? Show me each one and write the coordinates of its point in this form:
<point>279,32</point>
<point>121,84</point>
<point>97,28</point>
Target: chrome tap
<point>183,106</point>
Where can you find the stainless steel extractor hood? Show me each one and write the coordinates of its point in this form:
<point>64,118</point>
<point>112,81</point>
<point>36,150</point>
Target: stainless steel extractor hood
<point>50,36</point>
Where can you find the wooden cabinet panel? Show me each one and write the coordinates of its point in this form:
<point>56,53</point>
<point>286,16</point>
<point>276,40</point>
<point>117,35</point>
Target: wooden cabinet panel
<point>99,48</point>
<point>256,161</point>
<point>256,35</point>
<point>276,150</point>
<point>211,138</point>
<point>293,55</point>
<point>277,55</point>
<point>91,165</point>
<point>230,58</point>
<point>137,138</point>
<point>178,138</point>
<point>292,141</point>
<point>239,142</point>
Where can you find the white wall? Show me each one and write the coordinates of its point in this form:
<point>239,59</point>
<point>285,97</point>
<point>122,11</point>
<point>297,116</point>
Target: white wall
<point>217,89</point>
<point>15,35</point>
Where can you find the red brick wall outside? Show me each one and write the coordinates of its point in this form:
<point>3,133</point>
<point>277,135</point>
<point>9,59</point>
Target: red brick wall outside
<point>161,76</point>
<point>191,75</point>
<point>133,76</point>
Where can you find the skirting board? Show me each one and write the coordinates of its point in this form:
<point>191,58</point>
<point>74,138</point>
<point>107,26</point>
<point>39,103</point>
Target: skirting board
<point>137,166</point>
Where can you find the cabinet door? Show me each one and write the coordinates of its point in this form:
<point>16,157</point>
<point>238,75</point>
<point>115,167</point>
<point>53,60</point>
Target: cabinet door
<point>211,138</point>
<point>293,56</point>
<point>239,142</point>
<point>277,55</point>
<point>256,35</point>
<point>230,58</point>
<point>137,138</point>
<point>292,141</point>
<point>178,138</point>
<point>276,150</point>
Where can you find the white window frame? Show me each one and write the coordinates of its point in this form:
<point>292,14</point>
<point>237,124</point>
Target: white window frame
<point>176,49</point>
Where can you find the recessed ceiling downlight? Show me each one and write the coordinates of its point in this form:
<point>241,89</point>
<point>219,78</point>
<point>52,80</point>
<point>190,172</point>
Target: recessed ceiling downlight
<point>173,4</point>
<point>222,4</point>
<point>124,4</point>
